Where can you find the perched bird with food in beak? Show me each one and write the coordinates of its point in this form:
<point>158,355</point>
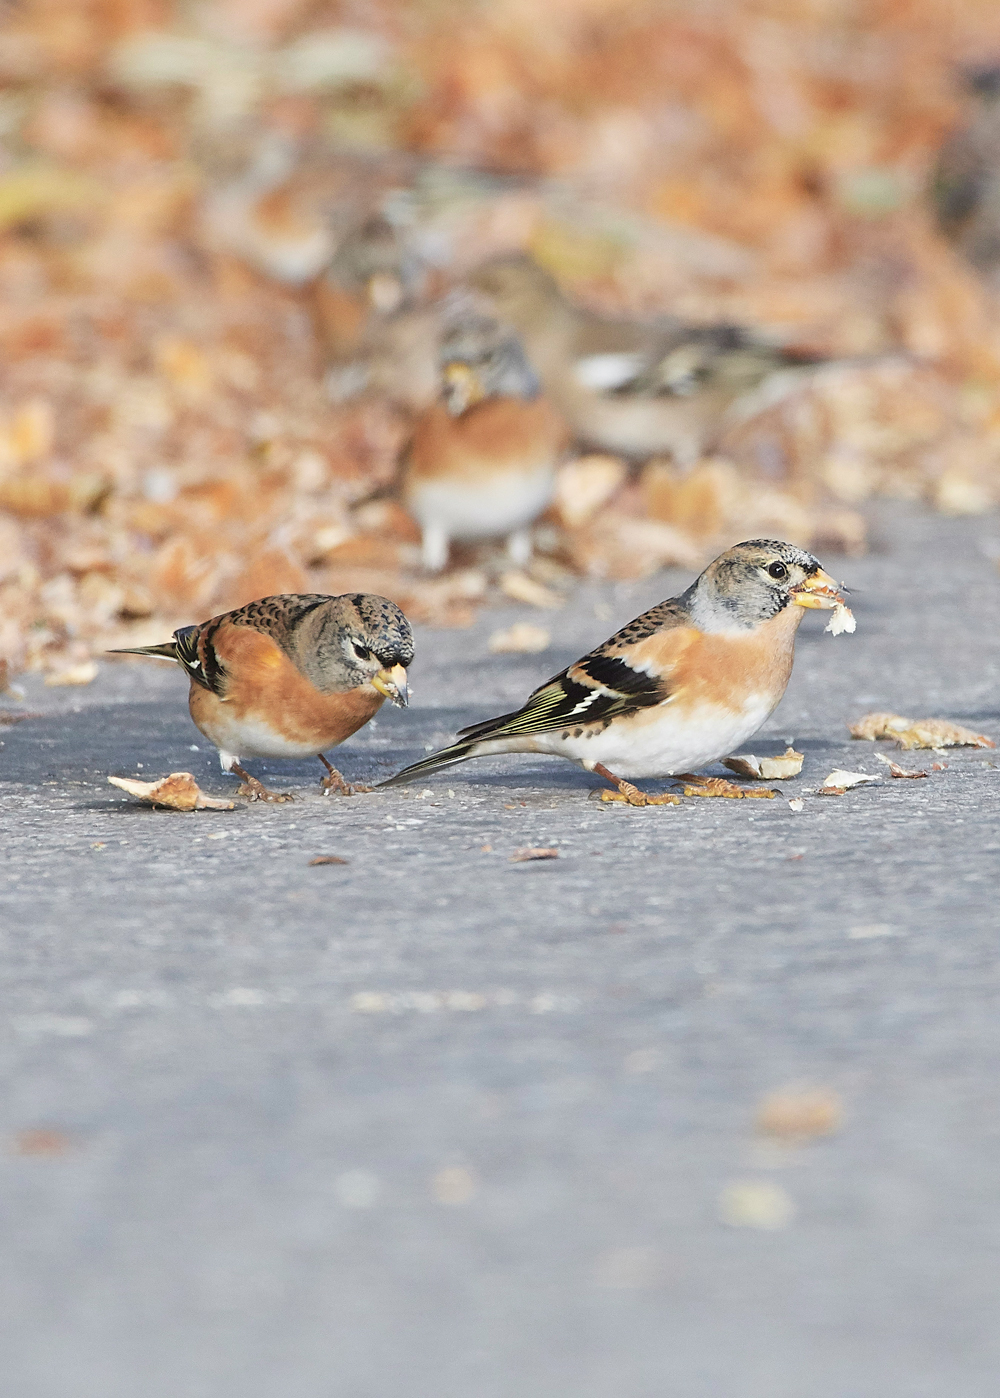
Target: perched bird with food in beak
<point>290,676</point>
<point>681,686</point>
<point>481,463</point>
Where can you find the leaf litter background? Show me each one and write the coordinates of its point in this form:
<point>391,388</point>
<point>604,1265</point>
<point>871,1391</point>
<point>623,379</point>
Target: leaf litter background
<point>177,179</point>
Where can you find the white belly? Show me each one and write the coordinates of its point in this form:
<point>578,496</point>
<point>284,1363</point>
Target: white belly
<point>670,742</point>
<point>245,738</point>
<point>465,511</point>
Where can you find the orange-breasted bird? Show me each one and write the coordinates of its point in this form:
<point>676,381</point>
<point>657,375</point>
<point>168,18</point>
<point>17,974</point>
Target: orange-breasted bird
<point>482,460</point>
<point>681,686</point>
<point>290,676</point>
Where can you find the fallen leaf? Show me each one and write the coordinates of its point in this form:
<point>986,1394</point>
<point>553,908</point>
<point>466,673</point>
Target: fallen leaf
<point>521,855</point>
<point>584,485</point>
<point>863,931</point>
<point>521,638</point>
<point>756,1204</point>
<point>84,673</point>
<point>745,764</point>
<point>796,1114</point>
<point>41,1140</point>
<point>917,733</point>
<point>842,781</point>
<point>454,1185</point>
<point>941,733</point>
<point>7,719</point>
<point>524,589</point>
<point>878,725</point>
<point>327,859</point>
<point>178,792</point>
<point>896,771</point>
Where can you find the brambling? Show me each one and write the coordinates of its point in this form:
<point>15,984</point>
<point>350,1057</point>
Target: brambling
<point>628,386</point>
<point>482,460</point>
<point>681,686</point>
<point>289,676</point>
<point>966,180</point>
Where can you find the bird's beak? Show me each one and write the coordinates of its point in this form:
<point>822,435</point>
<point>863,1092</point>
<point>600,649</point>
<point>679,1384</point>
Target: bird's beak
<point>461,386</point>
<point>818,590</point>
<point>392,683</point>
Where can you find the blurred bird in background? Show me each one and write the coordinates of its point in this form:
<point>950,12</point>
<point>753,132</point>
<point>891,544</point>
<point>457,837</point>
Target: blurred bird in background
<point>481,463</point>
<point>636,387</point>
<point>379,334</point>
<point>966,182</point>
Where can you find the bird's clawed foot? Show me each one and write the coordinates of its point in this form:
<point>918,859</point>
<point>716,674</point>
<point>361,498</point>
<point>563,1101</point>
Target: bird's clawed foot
<point>255,790</point>
<point>334,782</point>
<point>630,794</point>
<point>718,786</point>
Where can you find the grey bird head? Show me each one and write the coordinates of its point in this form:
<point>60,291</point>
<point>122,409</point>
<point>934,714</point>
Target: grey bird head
<point>358,639</point>
<point>482,358</point>
<point>753,582</point>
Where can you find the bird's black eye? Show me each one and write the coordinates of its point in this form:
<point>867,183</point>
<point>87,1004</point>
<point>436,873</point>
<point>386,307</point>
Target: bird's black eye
<point>362,652</point>
<point>778,571</point>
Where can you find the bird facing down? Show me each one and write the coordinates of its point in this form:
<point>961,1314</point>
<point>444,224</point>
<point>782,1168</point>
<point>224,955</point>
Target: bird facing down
<point>290,676</point>
<point>482,460</point>
<point>681,686</point>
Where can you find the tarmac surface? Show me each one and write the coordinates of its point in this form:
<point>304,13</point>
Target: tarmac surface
<point>437,1124</point>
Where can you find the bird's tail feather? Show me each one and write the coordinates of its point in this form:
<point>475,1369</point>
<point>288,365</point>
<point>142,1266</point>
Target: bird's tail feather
<point>447,757</point>
<point>168,651</point>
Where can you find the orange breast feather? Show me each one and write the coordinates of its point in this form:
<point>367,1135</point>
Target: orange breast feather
<point>498,435</point>
<point>265,687</point>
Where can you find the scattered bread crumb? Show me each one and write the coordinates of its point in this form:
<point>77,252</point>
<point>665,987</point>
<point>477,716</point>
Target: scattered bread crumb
<point>840,781</point>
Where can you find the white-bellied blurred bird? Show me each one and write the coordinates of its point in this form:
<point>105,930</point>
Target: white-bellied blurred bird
<point>630,386</point>
<point>681,686</point>
<point>481,462</point>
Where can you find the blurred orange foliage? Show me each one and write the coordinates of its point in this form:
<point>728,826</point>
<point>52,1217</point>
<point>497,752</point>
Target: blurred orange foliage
<point>174,180</point>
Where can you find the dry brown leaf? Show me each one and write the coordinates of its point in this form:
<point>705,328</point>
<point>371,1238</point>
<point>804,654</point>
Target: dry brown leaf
<point>42,1140</point>
<point>941,733</point>
<point>327,859</point>
<point>878,725</point>
<point>84,673</point>
<point>799,1114</point>
<point>521,638</point>
<point>621,547</point>
<point>583,486</point>
<point>896,771</point>
<point>520,856</point>
<point>524,589</point>
<point>746,764</point>
<point>178,792</point>
<point>911,733</point>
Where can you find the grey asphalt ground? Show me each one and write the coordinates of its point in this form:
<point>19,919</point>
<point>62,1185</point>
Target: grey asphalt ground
<point>439,1125</point>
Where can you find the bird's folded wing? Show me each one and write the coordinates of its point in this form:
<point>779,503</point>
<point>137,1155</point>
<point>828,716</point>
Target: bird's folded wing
<point>597,688</point>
